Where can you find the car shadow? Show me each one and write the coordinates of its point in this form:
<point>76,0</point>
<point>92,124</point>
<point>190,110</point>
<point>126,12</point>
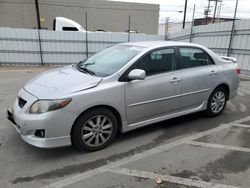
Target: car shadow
<point>75,161</point>
<point>184,125</point>
<point>171,128</point>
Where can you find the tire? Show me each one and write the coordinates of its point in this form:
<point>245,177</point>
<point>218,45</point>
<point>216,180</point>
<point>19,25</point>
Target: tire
<point>216,102</point>
<point>94,130</point>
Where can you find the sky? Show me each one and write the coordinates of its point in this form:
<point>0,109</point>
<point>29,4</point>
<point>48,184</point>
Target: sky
<point>172,8</point>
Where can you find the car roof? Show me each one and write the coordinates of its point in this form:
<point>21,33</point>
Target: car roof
<point>158,44</point>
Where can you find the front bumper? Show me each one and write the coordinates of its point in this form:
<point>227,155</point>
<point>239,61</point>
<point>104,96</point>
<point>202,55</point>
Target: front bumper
<point>56,124</point>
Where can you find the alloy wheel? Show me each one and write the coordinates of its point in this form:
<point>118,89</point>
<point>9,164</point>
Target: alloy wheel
<point>97,130</point>
<point>218,102</point>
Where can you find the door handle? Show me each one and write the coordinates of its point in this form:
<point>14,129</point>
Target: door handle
<point>213,72</point>
<point>175,79</point>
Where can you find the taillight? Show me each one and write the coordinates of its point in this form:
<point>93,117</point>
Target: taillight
<point>238,70</point>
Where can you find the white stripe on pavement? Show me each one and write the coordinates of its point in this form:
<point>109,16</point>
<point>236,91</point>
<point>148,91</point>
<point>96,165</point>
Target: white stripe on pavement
<point>168,178</point>
<point>240,120</point>
<point>84,175</point>
<point>231,106</point>
<point>219,146</point>
<point>241,125</point>
<point>240,93</point>
<point>244,90</point>
<point>243,108</point>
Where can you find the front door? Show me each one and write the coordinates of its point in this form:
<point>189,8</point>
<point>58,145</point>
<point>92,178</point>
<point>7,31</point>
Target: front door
<point>159,93</point>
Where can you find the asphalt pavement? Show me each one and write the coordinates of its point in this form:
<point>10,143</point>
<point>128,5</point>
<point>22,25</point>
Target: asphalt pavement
<point>190,151</point>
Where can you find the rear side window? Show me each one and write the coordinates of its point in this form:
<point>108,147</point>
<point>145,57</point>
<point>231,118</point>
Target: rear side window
<point>194,57</point>
<point>157,62</point>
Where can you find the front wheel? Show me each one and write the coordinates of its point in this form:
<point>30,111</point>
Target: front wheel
<point>94,130</point>
<point>216,102</point>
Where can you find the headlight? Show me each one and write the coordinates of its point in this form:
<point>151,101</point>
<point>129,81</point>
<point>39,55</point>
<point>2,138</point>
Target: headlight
<point>43,106</point>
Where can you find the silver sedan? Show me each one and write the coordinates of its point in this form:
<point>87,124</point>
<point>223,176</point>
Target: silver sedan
<point>119,89</point>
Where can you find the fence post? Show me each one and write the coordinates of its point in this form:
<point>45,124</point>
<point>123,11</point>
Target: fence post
<point>38,31</point>
<point>129,28</point>
<point>192,25</point>
<point>40,47</point>
<point>86,33</point>
<point>166,28</point>
<point>232,31</point>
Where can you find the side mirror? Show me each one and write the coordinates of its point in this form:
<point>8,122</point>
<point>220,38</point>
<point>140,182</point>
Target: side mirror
<point>137,74</point>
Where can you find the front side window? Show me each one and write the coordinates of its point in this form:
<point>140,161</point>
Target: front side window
<point>193,57</point>
<point>109,60</point>
<point>158,61</point>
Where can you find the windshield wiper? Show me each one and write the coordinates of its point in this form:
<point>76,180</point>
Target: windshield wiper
<point>86,64</point>
<point>84,69</point>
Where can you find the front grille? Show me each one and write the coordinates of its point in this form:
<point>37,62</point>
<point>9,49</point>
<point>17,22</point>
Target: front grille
<point>21,102</point>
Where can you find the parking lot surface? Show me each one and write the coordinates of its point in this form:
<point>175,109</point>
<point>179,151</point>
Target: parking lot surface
<point>191,151</point>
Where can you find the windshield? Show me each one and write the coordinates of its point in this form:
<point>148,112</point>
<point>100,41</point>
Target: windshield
<point>109,60</point>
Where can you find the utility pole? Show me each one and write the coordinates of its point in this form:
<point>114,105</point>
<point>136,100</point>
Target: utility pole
<point>38,15</point>
<point>215,9</point>
<point>38,31</point>
<point>185,13</point>
<point>219,11</point>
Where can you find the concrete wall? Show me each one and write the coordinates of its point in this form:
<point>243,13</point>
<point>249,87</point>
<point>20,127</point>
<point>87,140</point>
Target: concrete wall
<point>217,37</point>
<point>21,46</point>
<point>105,15</point>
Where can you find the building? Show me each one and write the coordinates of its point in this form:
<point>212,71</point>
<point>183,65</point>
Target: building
<point>208,20</point>
<point>101,14</point>
<point>172,27</point>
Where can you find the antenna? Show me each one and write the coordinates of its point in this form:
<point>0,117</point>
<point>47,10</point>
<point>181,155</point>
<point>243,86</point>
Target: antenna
<point>207,10</point>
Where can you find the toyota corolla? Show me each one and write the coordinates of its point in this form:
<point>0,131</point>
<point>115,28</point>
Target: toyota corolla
<point>119,89</point>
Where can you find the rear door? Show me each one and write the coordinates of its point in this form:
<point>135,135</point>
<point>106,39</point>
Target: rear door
<point>199,76</point>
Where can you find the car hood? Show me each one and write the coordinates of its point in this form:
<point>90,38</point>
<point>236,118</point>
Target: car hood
<point>57,83</point>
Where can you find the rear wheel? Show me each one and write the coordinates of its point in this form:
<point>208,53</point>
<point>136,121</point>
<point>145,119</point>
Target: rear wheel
<point>94,130</point>
<point>216,102</point>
